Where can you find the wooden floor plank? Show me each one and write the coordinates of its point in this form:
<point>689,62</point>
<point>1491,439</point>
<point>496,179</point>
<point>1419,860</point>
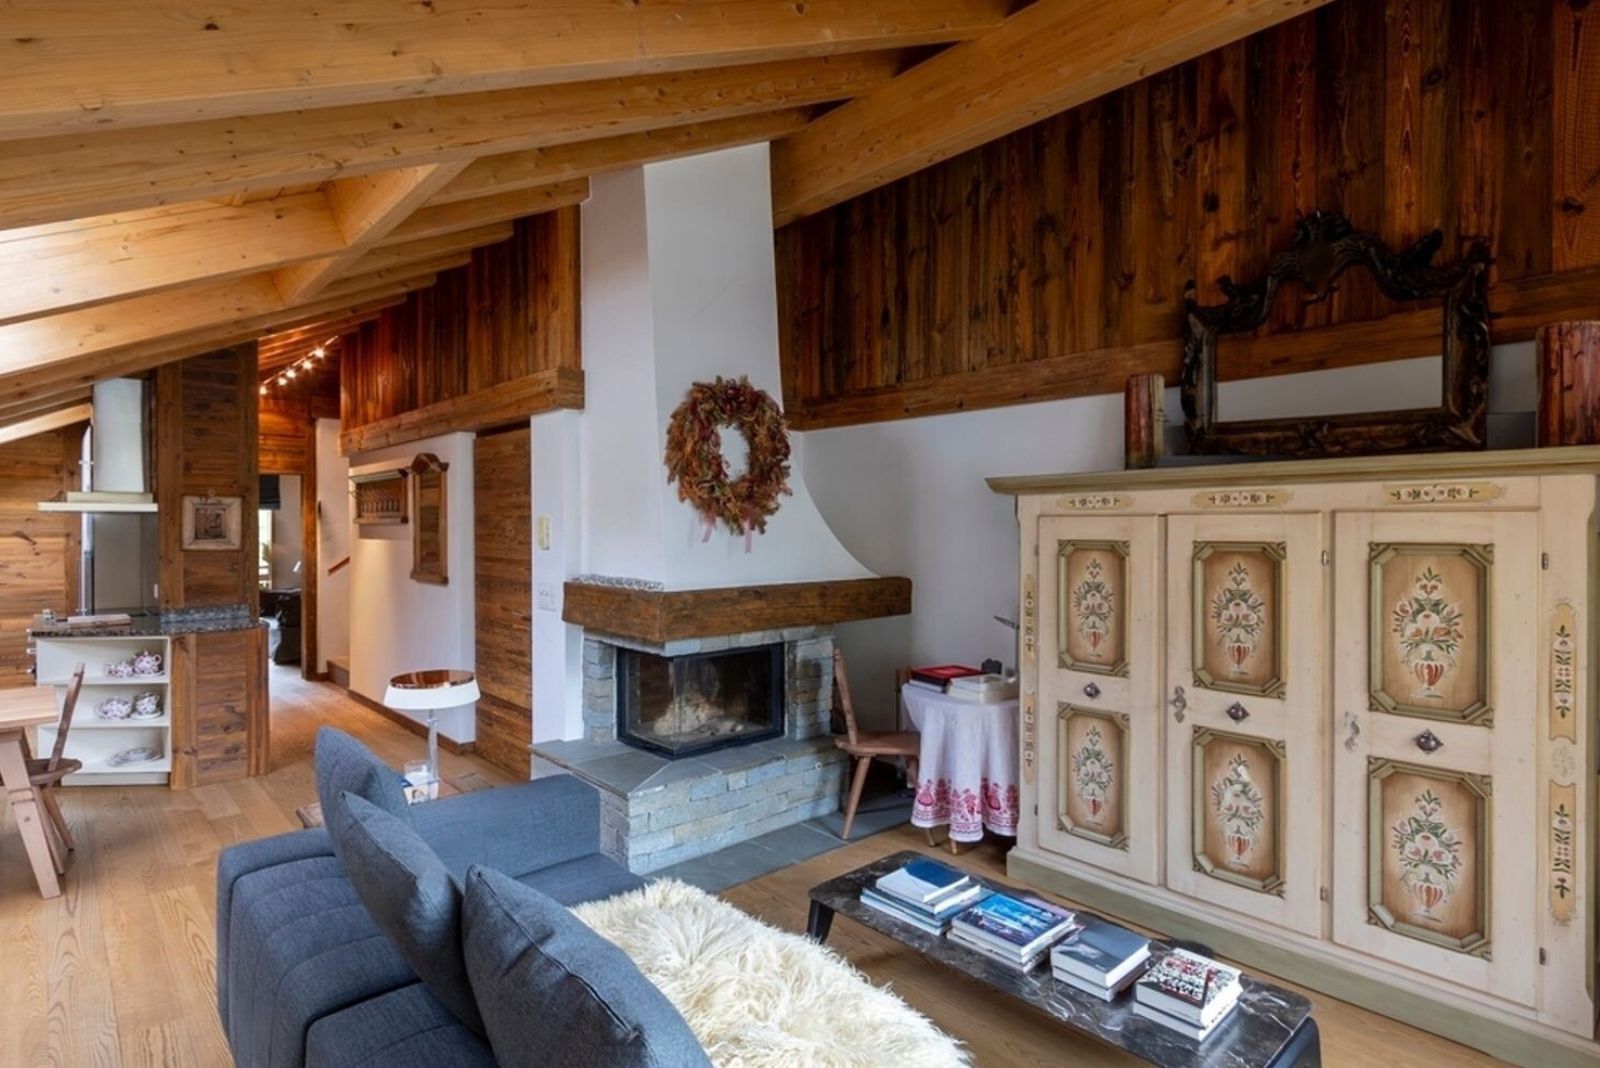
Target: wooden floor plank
<point>120,970</point>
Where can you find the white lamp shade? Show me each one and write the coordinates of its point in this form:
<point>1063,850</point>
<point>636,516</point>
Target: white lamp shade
<point>415,692</point>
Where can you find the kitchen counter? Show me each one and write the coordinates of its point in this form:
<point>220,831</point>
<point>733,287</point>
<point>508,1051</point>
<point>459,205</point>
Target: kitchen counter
<point>157,623</point>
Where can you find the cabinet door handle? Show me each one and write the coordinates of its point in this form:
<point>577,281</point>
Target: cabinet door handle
<point>1237,712</point>
<point>1179,702</point>
<point>1091,691</point>
<point>1354,726</point>
<point>1428,742</point>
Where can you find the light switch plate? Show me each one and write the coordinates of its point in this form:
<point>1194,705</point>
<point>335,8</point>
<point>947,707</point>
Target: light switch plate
<point>541,527</point>
<point>545,596</point>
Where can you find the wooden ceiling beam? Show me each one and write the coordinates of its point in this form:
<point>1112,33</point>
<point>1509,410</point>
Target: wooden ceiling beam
<point>137,354</point>
<point>78,66</point>
<point>367,209</point>
<point>13,411</point>
<point>540,166</point>
<point>438,220</point>
<point>50,179</point>
<point>430,248</point>
<point>276,350</point>
<point>1050,56</point>
<point>62,266</point>
<point>54,419</point>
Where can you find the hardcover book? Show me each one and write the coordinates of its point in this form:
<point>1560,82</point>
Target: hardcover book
<point>1012,923</point>
<point>924,882</point>
<point>1100,952</point>
<point>1190,987</point>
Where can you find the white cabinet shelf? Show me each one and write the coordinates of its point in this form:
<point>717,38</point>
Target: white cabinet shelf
<point>95,740</point>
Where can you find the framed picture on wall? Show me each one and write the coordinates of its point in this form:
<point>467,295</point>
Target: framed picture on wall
<point>213,523</point>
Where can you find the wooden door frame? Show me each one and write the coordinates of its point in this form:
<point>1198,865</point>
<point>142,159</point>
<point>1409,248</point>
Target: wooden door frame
<point>310,565</point>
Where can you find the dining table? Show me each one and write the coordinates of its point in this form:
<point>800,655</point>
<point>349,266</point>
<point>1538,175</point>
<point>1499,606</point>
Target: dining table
<point>967,771</point>
<point>20,709</point>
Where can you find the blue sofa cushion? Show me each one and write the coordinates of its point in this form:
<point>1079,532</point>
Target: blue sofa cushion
<point>407,1026</point>
<point>556,995</point>
<point>345,766</point>
<point>412,898</point>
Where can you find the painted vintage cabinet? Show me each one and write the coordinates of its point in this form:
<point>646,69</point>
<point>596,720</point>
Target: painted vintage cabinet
<point>1335,718</point>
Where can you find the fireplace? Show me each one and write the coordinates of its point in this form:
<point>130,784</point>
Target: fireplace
<point>678,705</point>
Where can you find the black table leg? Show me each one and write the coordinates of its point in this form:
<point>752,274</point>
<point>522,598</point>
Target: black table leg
<point>819,922</point>
<point>1303,1050</point>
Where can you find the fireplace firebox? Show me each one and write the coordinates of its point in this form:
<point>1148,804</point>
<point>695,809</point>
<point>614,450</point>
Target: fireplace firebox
<point>687,704</point>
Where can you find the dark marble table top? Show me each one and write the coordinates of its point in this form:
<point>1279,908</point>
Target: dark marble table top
<point>1254,1033</point>
<point>152,623</point>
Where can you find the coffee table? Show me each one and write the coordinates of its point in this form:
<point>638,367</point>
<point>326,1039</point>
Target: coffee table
<point>1271,1027</point>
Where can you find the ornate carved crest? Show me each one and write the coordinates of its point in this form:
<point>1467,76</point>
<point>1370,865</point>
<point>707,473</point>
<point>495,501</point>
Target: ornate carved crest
<point>1325,246</point>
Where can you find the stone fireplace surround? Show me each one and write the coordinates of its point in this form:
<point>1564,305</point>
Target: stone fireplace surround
<point>656,811</point>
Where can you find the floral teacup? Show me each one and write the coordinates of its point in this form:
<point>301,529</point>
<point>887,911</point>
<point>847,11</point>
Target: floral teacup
<point>147,705</point>
<point>122,669</point>
<point>114,708</point>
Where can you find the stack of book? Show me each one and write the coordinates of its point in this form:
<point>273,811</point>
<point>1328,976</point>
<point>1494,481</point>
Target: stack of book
<point>1187,993</point>
<point>1014,931</point>
<point>1100,959</point>
<point>985,689</point>
<point>937,678</point>
<point>924,893</point>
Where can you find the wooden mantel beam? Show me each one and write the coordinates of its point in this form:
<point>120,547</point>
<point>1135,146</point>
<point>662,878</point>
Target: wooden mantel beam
<point>51,179</point>
<point>74,66</point>
<point>1050,56</point>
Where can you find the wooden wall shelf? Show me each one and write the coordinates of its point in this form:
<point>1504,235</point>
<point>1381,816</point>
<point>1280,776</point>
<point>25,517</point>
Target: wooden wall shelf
<point>669,615</point>
<point>381,498</point>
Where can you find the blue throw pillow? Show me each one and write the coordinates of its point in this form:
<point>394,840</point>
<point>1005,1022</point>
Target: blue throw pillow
<point>556,995</point>
<point>344,766</point>
<point>411,897</point>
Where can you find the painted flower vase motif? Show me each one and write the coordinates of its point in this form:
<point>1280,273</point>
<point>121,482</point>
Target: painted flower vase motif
<point>147,663</point>
<point>1091,604</point>
<point>1238,805</point>
<point>1239,614</point>
<point>122,669</point>
<point>1430,855</point>
<point>1428,630</point>
<point>1092,775</point>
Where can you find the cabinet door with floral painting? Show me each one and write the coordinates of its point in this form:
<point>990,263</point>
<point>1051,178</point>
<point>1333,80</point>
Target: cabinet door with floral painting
<point>1435,695</point>
<point>1247,633</point>
<point>1099,723</point>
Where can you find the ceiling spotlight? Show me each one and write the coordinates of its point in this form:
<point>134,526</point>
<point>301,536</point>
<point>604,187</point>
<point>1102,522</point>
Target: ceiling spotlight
<point>283,381</point>
<point>319,352</point>
<point>289,373</point>
<point>263,389</point>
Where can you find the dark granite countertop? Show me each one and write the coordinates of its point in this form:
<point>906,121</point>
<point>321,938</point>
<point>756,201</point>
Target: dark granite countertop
<point>1252,1037</point>
<point>150,623</point>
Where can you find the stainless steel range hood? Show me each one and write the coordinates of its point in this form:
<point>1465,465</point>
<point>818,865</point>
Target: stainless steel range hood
<point>117,466</point>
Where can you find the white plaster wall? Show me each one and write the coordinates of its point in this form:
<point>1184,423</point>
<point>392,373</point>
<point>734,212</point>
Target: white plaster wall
<point>621,498</point>
<point>908,497</point>
<point>398,624</point>
<point>334,507</point>
<point>713,295</point>
<point>557,646</point>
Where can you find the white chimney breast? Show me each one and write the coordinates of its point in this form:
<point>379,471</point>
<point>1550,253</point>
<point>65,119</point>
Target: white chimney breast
<point>679,286</point>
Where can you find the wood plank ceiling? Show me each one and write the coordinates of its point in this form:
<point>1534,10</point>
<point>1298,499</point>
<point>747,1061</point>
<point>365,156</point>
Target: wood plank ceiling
<point>175,179</point>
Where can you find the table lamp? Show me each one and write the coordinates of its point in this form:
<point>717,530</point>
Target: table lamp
<point>429,691</point>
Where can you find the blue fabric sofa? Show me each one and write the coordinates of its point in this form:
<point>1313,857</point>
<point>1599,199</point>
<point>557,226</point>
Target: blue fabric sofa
<point>304,976</point>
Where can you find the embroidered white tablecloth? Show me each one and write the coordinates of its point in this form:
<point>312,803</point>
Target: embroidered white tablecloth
<point>967,771</point>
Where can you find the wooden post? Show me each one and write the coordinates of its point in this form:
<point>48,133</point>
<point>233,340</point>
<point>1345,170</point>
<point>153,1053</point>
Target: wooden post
<point>1144,420</point>
<point>1569,383</point>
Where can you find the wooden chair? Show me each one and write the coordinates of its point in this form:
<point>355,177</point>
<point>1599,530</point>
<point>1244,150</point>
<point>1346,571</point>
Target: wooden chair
<point>45,774</point>
<point>866,746</point>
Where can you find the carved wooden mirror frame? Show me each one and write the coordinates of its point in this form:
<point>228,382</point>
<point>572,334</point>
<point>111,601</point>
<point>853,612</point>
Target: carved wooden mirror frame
<point>1325,246</point>
<point>430,520</point>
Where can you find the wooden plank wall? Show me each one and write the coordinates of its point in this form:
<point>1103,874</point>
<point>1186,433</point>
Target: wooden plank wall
<point>1052,262</point>
<point>219,693</point>
<point>509,315</point>
<point>286,411</point>
<point>206,442</point>
<point>502,495</point>
<point>39,552</point>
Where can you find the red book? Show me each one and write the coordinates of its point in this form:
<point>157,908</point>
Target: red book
<point>941,675</point>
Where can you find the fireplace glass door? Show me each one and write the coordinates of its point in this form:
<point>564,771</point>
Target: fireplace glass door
<point>689,704</point>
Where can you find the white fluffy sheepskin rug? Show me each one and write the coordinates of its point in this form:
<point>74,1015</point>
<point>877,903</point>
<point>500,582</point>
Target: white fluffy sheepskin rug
<point>758,997</point>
